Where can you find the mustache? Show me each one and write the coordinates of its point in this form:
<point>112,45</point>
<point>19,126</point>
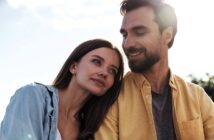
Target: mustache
<point>133,50</point>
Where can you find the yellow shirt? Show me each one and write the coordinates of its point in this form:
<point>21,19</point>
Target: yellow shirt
<point>131,117</point>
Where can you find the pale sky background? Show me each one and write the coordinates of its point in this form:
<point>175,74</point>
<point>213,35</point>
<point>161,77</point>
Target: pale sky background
<point>36,37</point>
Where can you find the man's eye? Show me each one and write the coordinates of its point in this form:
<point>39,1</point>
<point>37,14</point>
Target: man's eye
<point>124,35</point>
<point>140,32</point>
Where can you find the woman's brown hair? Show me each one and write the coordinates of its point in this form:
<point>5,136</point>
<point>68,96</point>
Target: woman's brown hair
<point>92,114</point>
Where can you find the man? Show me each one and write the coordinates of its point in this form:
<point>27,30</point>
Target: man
<point>155,104</point>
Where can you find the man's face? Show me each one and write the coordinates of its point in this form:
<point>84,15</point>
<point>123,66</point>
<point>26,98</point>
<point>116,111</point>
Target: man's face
<point>142,40</point>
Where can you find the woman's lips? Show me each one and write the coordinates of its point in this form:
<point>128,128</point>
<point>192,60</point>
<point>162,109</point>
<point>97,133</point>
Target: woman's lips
<point>99,82</point>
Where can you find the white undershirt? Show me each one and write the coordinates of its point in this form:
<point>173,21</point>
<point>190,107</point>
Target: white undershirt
<point>58,136</point>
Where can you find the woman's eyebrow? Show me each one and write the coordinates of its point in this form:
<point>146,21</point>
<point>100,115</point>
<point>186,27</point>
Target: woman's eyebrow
<point>99,57</point>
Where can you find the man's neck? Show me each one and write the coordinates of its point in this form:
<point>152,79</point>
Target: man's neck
<point>158,79</point>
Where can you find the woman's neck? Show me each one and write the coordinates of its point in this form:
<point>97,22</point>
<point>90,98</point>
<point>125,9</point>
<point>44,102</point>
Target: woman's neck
<point>71,101</point>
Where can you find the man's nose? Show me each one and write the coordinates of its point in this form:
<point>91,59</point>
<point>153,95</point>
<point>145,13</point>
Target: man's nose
<point>128,42</point>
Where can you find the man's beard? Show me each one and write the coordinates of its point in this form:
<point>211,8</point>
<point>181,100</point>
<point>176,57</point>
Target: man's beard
<point>140,66</point>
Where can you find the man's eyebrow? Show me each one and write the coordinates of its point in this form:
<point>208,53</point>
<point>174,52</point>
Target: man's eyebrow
<point>138,27</point>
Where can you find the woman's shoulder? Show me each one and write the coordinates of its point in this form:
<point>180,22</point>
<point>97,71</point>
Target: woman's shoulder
<point>31,90</point>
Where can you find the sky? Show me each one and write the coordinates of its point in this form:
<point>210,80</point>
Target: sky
<point>37,36</point>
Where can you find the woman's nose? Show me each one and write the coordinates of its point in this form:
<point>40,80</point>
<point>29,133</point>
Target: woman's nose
<point>103,73</point>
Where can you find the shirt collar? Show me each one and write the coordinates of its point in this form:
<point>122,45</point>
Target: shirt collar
<point>140,80</point>
<point>172,81</point>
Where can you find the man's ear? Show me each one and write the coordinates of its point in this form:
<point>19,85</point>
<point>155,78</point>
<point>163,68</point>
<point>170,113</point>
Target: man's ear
<point>73,68</point>
<point>168,34</point>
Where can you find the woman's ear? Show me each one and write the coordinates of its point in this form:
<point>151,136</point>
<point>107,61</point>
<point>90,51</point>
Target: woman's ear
<point>73,68</point>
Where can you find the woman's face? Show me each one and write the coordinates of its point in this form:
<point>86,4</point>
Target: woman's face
<point>96,70</point>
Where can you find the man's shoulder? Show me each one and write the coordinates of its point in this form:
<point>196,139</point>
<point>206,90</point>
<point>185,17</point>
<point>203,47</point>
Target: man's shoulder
<point>130,76</point>
<point>179,80</point>
<point>132,84</point>
<point>186,87</point>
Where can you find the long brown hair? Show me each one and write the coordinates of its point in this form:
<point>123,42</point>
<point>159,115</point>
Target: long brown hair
<point>93,112</point>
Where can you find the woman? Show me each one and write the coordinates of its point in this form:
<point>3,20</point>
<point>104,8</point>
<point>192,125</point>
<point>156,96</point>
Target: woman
<point>75,105</point>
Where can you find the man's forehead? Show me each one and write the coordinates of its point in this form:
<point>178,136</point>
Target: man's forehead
<point>138,17</point>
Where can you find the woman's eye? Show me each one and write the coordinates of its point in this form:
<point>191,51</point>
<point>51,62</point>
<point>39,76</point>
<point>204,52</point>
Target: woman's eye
<point>96,61</point>
<point>113,72</point>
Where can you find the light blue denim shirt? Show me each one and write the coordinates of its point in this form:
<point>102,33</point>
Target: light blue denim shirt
<point>32,114</point>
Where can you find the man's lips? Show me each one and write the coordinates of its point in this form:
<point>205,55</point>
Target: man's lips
<point>132,54</point>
